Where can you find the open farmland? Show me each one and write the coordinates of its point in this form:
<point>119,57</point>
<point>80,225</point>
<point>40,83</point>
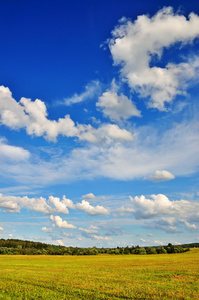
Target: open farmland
<point>163,276</point>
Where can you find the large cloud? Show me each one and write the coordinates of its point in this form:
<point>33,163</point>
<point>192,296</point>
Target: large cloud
<point>134,46</point>
<point>161,213</point>
<point>32,116</point>
<point>174,149</point>
<point>51,206</point>
<point>160,205</point>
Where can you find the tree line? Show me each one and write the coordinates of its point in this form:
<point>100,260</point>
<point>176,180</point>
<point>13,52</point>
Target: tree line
<point>21,247</point>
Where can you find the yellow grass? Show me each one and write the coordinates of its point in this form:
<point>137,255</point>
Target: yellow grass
<point>163,276</point>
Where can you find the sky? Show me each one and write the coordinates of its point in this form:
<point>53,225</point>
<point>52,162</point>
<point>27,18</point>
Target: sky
<point>99,128</point>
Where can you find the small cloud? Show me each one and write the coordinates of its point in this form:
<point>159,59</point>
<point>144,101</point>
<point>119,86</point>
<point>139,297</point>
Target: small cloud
<point>89,196</point>
<point>158,242</point>
<point>45,229</point>
<point>142,240</point>
<point>60,243</point>
<point>117,107</point>
<point>57,221</point>
<point>91,90</point>
<point>68,235</point>
<point>104,238</point>
<point>158,176</point>
<point>92,210</point>
<point>1,229</point>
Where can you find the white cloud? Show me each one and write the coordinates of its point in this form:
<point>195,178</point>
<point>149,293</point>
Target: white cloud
<point>14,204</point>
<point>125,210</point>
<point>59,205</point>
<point>113,132</point>
<point>45,229</point>
<point>32,115</point>
<point>190,227</point>
<point>160,206</point>
<point>143,240</point>
<point>117,107</point>
<point>12,153</point>
<point>92,210</point>
<point>60,242</point>
<point>89,230</point>
<point>158,176</point>
<point>51,206</point>
<point>167,224</point>
<point>1,229</point>
<point>158,242</point>
<point>134,45</point>
<point>174,149</point>
<point>91,90</point>
<point>89,196</point>
<point>102,238</point>
<point>57,221</point>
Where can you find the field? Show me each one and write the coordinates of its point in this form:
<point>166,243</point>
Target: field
<point>163,276</point>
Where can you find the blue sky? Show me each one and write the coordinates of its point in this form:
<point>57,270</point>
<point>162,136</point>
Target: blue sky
<point>99,122</point>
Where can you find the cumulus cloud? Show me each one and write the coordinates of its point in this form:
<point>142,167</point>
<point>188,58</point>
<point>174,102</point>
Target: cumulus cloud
<point>57,221</point>
<point>91,90</point>
<point>51,205</point>
<point>45,229</point>
<point>14,204</point>
<point>117,107</point>
<point>160,206</point>
<point>92,210</point>
<point>158,176</point>
<point>135,46</point>
<point>32,115</point>
<point>60,206</point>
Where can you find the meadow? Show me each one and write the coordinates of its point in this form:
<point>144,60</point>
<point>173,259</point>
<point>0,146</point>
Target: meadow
<point>162,276</point>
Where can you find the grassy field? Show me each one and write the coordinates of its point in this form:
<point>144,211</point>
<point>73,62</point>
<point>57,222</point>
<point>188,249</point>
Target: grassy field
<point>163,276</point>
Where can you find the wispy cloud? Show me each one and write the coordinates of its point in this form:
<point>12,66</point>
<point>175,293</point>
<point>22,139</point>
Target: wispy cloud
<point>91,90</point>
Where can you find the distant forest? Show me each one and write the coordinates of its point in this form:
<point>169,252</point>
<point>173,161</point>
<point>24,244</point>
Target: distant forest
<point>20,247</point>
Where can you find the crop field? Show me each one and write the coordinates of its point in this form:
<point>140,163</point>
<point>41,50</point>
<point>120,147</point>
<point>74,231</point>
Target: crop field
<point>163,276</point>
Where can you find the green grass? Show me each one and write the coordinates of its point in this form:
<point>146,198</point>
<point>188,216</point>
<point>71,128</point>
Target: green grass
<point>162,276</point>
